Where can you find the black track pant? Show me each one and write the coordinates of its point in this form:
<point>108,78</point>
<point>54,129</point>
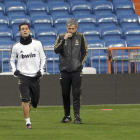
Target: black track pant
<point>30,89</point>
<point>67,80</point>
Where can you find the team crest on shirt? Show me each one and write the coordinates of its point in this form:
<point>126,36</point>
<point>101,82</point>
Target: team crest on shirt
<point>65,42</point>
<point>76,42</point>
<point>34,48</point>
<point>19,81</point>
<point>21,51</point>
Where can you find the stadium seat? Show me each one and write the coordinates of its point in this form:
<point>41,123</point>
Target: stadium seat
<point>15,9</point>
<point>42,22</point>
<point>91,33</point>
<point>2,9</point>
<point>60,21</point>
<point>107,21</point>
<point>54,1</point>
<point>97,56</point>
<point>61,30</point>
<point>129,21</point>
<point>133,43</point>
<point>33,0</point>
<point>131,33</point>
<point>124,8</point>
<point>86,21</point>
<point>117,54</point>
<point>14,21</point>
<point>17,34</point>
<point>59,8</point>
<point>111,33</point>
<point>80,8</point>
<point>4,22</point>
<point>47,34</point>
<point>102,7</point>
<point>4,55</point>
<point>97,0</point>
<point>37,9</point>
<point>12,1</point>
<point>120,0</point>
<point>6,34</point>
<point>52,58</point>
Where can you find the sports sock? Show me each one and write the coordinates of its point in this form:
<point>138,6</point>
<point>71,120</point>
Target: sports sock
<point>27,121</point>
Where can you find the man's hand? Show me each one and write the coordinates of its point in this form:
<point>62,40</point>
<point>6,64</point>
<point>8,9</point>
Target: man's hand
<point>39,74</point>
<point>16,73</point>
<point>67,35</point>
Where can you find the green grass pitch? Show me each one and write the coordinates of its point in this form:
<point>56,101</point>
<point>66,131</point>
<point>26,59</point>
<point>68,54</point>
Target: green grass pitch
<point>122,123</point>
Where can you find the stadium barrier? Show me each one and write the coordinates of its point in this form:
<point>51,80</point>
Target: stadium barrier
<point>129,55</point>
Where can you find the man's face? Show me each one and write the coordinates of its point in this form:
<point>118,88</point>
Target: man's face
<point>71,29</point>
<point>24,31</point>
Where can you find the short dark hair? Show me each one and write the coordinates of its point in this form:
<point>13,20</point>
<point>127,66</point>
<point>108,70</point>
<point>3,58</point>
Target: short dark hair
<point>23,23</point>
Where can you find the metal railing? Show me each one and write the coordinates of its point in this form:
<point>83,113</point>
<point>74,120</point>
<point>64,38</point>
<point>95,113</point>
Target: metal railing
<point>89,63</point>
<point>133,57</point>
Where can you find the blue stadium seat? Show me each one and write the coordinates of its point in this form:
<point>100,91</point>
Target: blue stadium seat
<point>124,8</point>
<point>6,34</point>
<point>97,0</point>
<point>47,34</point>
<point>133,43</point>
<point>42,22</point>
<point>104,21</point>
<point>61,30</point>
<point>17,35</point>
<point>2,9</point>
<point>117,54</point>
<point>91,33</point>
<point>34,0</point>
<point>59,8</point>
<point>37,9</point>
<point>86,21</point>
<point>131,33</point>
<point>97,56</point>
<point>12,1</point>
<point>54,1</point>
<point>14,21</point>
<point>70,1</point>
<point>102,7</point>
<point>129,21</point>
<point>111,33</point>
<point>4,55</point>
<point>80,8</point>
<point>52,58</point>
<point>120,0</point>
<point>60,21</point>
<point>15,9</point>
<point>4,22</point>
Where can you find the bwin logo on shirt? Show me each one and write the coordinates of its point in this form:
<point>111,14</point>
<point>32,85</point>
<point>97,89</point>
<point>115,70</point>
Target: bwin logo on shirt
<point>28,55</point>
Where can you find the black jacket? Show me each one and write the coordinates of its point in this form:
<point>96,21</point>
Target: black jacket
<point>72,52</point>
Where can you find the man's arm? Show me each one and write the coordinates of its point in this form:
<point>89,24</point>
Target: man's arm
<point>42,59</point>
<point>58,45</point>
<point>13,56</point>
<point>84,50</point>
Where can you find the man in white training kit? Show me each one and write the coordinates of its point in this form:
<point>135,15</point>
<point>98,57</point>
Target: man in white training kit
<point>31,61</point>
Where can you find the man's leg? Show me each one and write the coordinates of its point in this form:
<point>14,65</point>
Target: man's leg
<point>76,90</point>
<point>65,82</point>
<point>24,90</point>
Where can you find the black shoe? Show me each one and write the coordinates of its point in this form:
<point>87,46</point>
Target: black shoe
<point>66,119</point>
<point>77,120</point>
<point>28,126</point>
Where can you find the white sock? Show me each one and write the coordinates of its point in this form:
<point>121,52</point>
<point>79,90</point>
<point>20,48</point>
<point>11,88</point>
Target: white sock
<point>27,121</point>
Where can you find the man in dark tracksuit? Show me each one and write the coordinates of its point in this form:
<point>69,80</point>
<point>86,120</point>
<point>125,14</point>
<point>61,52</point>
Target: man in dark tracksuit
<point>72,49</point>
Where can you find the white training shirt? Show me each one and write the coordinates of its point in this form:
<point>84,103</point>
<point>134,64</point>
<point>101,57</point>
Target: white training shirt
<point>30,58</point>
